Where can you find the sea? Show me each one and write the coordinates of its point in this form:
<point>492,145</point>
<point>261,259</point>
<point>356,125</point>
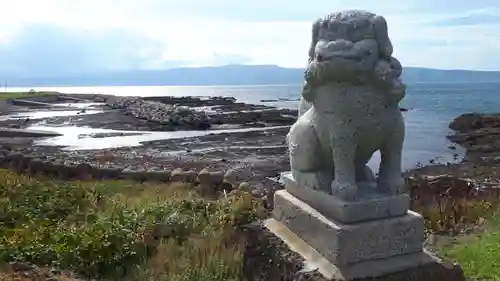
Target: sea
<point>431,108</point>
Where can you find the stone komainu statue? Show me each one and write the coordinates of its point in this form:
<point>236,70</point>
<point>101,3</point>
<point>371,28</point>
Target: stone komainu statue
<point>349,108</point>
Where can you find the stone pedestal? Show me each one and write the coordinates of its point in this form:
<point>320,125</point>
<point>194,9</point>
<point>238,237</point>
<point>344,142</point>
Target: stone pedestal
<point>372,237</point>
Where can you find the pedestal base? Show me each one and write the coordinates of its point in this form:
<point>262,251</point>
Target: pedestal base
<point>273,252</point>
<point>370,205</point>
<point>350,243</point>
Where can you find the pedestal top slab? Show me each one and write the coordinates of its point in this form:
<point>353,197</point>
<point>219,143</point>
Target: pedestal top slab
<point>370,205</point>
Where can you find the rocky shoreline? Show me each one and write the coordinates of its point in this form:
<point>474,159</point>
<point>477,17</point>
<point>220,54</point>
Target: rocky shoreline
<point>155,113</point>
<point>259,154</point>
<point>479,134</point>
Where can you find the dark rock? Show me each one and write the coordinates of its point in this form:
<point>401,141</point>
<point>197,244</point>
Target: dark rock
<point>83,171</point>
<point>179,175</point>
<point>35,166</point>
<point>225,186</point>
<point>479,134</point>
<point>24,162</point>
<point>472,121</point>
<point>22,266</point>
<point>139,176</point>
<point>159,176</point>
<point>15,161</point>
<point>49,169</point>
<point>14,156</point>
<point>110,173</point>
<point>59,170</point>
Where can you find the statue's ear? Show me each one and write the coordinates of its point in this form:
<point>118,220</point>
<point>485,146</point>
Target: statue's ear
<point>307,92</point>
<point>382,36</point>
<point>315,37</point>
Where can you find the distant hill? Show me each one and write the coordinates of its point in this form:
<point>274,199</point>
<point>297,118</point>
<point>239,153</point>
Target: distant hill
<point>233,75</point>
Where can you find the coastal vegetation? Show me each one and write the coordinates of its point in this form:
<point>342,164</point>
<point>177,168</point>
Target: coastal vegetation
<point>21,94</point>
<point>168,231</point>
<point>117,229</point>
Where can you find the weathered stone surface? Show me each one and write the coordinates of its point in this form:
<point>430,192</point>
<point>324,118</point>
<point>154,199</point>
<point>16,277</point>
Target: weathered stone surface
<point>350,243</point>
<point>369,205</point>
<point>349,108</point>
<point>235,176</point>
<point>210,181</point>
<point>268,257</point>
<point>180,175</point>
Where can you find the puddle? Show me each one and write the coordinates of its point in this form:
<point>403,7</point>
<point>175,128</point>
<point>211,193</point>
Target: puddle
<point>47,114</point>
<point>72,139</point>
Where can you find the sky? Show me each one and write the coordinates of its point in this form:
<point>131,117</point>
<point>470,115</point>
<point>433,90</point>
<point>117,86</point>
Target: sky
<point>75,36</point>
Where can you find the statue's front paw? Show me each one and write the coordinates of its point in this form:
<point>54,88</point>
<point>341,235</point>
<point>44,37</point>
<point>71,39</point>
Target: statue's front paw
<point>344,191</point>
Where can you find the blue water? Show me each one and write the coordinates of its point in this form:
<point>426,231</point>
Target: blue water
<point>432,108</point>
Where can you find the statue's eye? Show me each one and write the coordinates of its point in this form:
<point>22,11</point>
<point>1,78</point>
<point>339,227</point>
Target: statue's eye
<point>319,58</point>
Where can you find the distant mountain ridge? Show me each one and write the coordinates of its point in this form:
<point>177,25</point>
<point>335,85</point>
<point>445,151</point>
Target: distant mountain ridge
<point>234,75</point>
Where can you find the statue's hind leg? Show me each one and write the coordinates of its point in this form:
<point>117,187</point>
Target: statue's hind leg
<point>309,168</point>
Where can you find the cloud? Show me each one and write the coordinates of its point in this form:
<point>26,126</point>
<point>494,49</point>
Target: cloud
<point>49,49</point>
<point>97,35</point>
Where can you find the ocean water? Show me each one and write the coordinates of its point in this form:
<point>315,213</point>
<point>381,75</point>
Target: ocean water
<point>432,108</point>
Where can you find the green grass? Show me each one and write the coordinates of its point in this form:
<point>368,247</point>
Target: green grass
<point>18,95</point>
<point>116,230</point>
<point>479,254</point>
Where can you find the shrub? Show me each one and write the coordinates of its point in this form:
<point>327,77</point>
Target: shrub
<point>115,229</point>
